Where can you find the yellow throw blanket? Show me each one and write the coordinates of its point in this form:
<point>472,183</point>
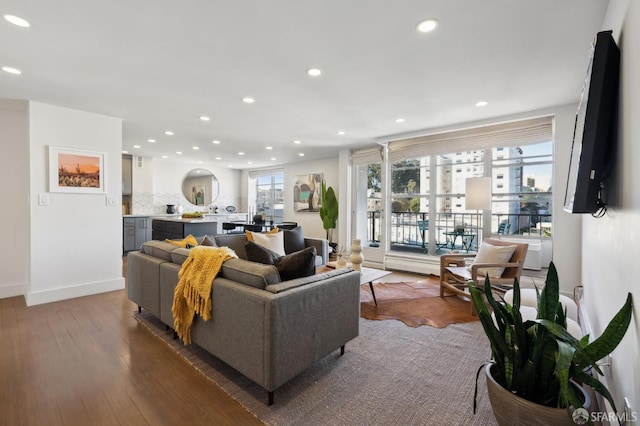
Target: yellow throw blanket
<point>193,292</point>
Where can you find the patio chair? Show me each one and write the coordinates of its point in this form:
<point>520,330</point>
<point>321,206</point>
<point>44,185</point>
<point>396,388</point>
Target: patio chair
<point>423,226</point>
<point>503,228</point>
<point>501,260</point>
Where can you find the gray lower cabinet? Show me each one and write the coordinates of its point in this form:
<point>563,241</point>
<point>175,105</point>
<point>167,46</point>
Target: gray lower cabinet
<point>136,230</point>
<point>170,229</point>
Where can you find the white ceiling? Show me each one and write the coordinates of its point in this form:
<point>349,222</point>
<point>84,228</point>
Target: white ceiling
<point>161,64</point>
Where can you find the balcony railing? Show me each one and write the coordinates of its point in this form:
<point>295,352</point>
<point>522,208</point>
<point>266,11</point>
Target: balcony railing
<point>453,230</point>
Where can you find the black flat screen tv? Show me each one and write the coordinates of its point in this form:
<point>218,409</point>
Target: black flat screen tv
<point>594,132</point>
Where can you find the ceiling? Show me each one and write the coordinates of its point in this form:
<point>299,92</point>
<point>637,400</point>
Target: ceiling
<point>161,64</point>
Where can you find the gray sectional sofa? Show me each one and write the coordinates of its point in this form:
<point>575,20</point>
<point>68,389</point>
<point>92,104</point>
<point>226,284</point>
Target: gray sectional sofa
<point>267,329</point>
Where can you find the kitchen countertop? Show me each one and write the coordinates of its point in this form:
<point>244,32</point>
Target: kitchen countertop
<point>187,220</point>
<point>177,216</point>
<point>156,215</point>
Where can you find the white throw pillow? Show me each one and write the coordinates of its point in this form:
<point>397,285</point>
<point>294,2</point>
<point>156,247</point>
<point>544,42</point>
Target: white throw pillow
<point>492,254</point>
<point>272,241</point>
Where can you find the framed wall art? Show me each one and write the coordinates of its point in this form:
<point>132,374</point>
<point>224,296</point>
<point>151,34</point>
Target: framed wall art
<point>307,191</point>
<point>76,171</point>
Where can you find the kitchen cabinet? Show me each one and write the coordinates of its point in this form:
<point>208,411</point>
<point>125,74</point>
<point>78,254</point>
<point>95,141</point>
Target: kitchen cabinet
<point>174,229</point>
<point>136,230</point>
<point>127,175</point>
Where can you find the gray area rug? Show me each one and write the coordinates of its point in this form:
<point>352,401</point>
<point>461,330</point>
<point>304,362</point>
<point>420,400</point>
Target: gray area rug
<point>389,375</point>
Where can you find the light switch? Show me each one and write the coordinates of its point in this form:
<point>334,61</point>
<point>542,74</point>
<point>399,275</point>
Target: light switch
<point>111,201</point>
<point>43,199</point>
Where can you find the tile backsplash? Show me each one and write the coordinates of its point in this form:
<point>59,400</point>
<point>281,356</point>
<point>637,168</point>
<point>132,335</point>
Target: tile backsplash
<point>156,203</point>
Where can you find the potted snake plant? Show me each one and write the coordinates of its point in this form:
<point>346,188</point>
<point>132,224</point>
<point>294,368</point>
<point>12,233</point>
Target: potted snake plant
<point>536,364</point>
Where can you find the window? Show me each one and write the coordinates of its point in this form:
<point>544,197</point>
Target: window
<point>428,172</point>
<point>269,196</point>
<point>526,201</point>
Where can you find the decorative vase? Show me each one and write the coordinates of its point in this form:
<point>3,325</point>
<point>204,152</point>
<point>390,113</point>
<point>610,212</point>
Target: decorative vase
<point>512,410</point>
<point>171,208</point>
<point>356,257</point>
<point>342,262</point>
<point>180,209</point>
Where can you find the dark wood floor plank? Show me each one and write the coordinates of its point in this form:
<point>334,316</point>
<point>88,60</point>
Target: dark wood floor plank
<point>88,361</point>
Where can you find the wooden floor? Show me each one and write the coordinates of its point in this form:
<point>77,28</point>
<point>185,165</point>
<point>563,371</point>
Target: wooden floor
<point>86,361</point>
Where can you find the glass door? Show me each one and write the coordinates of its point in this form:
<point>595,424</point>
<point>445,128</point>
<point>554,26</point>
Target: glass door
<point>368,218</point>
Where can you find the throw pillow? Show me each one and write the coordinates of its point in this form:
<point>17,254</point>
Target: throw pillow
<point>272,241</point>
<point>492,254</point>
<point>250,233</point>
<point>297,265</point>
<point>260,254</point>
<point>293,240</point>
<point>208,241</point>
<point>188,242</point>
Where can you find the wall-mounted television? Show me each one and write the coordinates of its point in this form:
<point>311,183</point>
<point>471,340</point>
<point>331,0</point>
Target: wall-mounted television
<point>594,132</point>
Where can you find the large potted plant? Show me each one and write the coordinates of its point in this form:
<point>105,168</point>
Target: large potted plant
<point>329,212</point>
<point>536,364</point>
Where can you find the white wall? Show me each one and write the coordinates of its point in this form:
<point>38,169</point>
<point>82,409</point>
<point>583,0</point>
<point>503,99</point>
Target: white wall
<point>76,240</point>
<point>566,226</point>
<point>309,221</point>
<point>142,174</point>
<point>610,245</point>
<point>14,175</point>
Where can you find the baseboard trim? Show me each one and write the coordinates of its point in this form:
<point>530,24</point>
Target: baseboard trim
<point>420,265</point>
<point>11,290</point>
<point>53,295</point>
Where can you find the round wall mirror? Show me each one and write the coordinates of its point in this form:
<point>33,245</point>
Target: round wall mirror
<point>200,187</point>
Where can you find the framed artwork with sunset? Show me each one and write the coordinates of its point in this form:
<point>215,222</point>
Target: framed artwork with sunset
<point>76,171</point>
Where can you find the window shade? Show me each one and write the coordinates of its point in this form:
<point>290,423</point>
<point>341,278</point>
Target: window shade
<point>253,174</point>
<point>522,132</point>
<point>367,156</point>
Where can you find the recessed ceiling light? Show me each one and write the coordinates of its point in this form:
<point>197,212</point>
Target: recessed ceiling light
<point>249,162</point>
<point>218,158</point>
<point>204,118</point>
<point>151,140</point>
<point>269,147</point>
<point>314,72</point>
<point>341,132</point>
<point>179,152</point>
<point>125,152</point>
<point>196,148</point>
<point>16,20</point>
<point>297,142</point>
<point>136,146</point>
<point>216,142</point>
<point>168,133</point>
<point>427,25</point>
<point>248,100</point>
<point>12,70</point>
<point>241,153</point>
<point>165,156</point>
<point>301,154</point>
<point>399,120</point>
<point>199,162</point>
<point>273,158</point>
<point>482,103</point>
